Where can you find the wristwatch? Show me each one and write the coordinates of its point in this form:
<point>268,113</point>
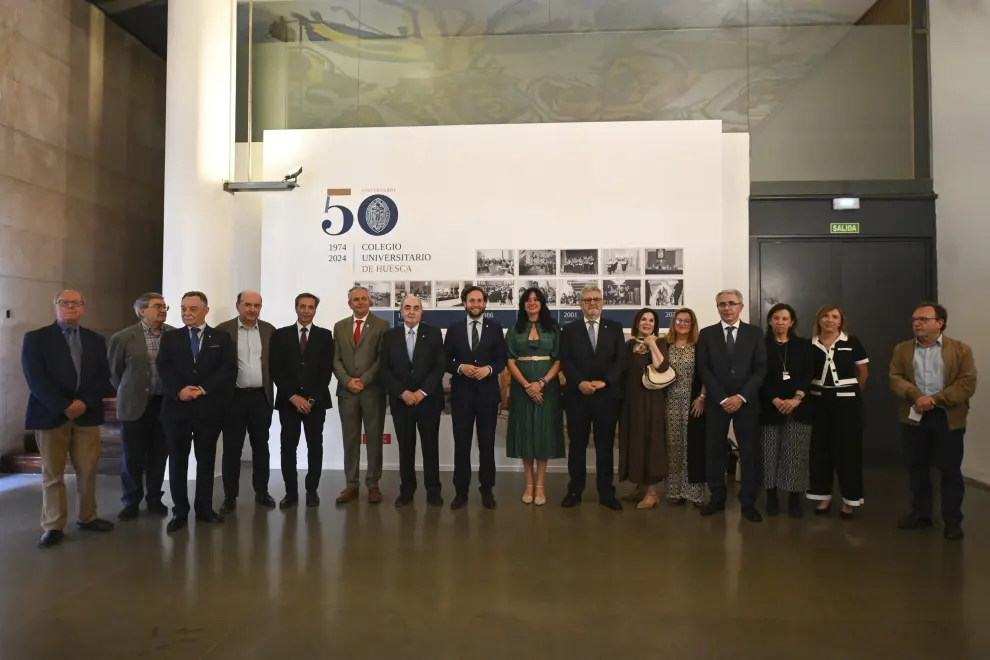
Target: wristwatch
<point>799,396</point>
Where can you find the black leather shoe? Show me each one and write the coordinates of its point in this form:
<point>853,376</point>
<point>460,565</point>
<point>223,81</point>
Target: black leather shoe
<point>460,501</point>
<point>571,500</point>
<point>487,499</point>
<point>953,532</point>
<point>158,509</point>
<point>50,539</point>
<point>434,500</point>
<point>129,512</point>
<point>794,508</point>
<point>265,500</point>
<point>210,518</point>
<point>96,525</point>
<point>176,523</point>
<point>289,501</point>
<point>312,499</point>
<point>611,503</point>
<point>847,515</point>
<point>403,500</point>
<point>752,514</point>
<point>823,512</point>
<point>712,507</point>
<point>773,504</point>
<point>914,522</point>
<point>229,505</point>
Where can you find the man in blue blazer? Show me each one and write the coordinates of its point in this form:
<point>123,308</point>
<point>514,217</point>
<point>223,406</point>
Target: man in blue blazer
<point>476,354</point>
<point>68,375</point>
<point>198,367</point>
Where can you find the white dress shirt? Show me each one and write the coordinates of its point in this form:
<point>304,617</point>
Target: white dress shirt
<point>598,327</point>
<point>249,374</point>
<point>364,324</point>
<point>735,338</point>
<point>309,331</point>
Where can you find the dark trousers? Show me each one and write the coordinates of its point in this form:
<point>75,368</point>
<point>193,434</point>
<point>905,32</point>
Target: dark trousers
<point>929,444</point>
<point>583,415</point>
<point>142,470</point>
<point>470,411</point>
<point>745,425</point>
<point>312,426</point>
<point>426,418</point>
<point>201,436</point>
<point>250,413</point>
<point>837,445</point>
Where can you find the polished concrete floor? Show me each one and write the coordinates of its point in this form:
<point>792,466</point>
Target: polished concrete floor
<point>366,581</point>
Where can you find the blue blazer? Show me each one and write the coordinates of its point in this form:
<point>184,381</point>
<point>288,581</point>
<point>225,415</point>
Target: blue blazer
<point>492,353</point>
<point>215,370</point>
<point>51,377</point>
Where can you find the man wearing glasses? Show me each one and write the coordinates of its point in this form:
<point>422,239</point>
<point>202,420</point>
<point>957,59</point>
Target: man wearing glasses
<point>66,369</point>
<point>593,359</point>
<point>732,360</point>
<point>134,374</point>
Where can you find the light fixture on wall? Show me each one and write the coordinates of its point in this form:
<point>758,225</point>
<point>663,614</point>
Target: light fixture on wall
<point>290,182</point>
<point>845,204</point>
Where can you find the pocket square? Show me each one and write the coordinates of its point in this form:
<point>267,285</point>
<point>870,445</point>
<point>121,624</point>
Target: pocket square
<point>213,346</point>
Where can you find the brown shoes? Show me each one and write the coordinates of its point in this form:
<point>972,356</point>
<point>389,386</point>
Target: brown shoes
<point>374,495</point>
<point>349,494</point>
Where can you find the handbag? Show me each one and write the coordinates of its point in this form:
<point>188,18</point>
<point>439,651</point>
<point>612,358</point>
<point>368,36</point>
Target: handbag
<point>658,380</point>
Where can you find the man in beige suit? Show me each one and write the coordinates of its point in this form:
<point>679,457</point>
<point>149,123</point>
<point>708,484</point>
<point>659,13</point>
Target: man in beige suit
<point>360,395</point>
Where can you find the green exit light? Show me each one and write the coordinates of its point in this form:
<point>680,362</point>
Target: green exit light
<point>844,228</point>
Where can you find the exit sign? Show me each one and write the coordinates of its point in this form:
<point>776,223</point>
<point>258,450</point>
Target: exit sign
<point>844,228</point>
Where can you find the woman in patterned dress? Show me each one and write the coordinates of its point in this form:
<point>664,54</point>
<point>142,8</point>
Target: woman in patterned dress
<point>685,410</point>
<point>536,420</point>
<point>784,429</point>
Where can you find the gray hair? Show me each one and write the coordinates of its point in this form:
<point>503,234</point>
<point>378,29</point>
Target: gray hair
<point>58,296</point>
<point>726,292</point>
<point>357,288</point>
<point>588,288</point>
<point>143,300</point>
<point>416,298</point>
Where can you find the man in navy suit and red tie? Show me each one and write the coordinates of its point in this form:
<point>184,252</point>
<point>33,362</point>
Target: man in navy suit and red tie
<point>476,354</point>
<point>198,367</point>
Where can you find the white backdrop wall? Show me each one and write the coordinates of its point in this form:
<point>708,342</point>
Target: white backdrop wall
<point>458,189</point>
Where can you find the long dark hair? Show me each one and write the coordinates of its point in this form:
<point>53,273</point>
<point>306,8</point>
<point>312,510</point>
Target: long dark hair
<point>546,320</point>
<point>782,307</point>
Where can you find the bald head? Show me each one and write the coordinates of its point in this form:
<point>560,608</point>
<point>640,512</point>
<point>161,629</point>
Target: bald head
<point>69,307</point>
<point>411,310</point>
<point>248,307</point>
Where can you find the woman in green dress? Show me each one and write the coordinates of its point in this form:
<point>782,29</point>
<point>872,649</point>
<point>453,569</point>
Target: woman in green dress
<point>536,430</point>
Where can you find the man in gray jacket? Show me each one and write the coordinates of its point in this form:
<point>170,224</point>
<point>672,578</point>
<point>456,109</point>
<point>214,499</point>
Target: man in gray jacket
<point>134,374</point>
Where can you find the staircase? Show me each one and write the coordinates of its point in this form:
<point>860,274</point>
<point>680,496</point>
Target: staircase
<point>29,460</point>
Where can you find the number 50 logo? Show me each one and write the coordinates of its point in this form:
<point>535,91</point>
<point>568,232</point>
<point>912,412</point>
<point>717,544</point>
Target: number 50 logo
<point>376,215</point>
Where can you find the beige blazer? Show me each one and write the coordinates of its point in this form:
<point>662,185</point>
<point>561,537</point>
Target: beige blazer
<point>360,361</point>
<point>960,380</point>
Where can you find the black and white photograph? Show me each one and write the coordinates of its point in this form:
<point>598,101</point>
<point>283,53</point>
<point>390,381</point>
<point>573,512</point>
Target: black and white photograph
<point>623,292</point>
<point>622,262</point>
<point>548,287</point>
<point>665,292</point>
<point>422,290</point>
<point>579,262</point>
<point>537,262</point>
<point>379,292</point>
<point>501,293</point>
<point>665,261</point>
<point>448,293</point>
<point>570,291</point>
<point>496,263</point>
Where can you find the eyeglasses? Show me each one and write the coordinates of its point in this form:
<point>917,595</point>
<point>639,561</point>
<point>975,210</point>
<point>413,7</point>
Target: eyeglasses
<point>159,306</point>
<point>729,304</point>
<point>682,321</point>
<point>591,300</point>
<point>69,304</point>
<point>922,319</point>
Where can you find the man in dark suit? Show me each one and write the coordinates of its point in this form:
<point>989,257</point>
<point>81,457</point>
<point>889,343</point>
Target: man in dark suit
<point>593,359</point>
<point>134,373</point>
<point>250,410</point>
<point>476,354</point>
<point>302,365</point>
<point>412,363</point>
<point>66,369</point>
<point>732,361</point>
<point>198,366</point>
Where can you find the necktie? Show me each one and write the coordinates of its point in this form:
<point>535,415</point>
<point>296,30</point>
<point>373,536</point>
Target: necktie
<point>411,343</point>
<point>730,342</point>
<point>194,342</point>
<point>475,337</point>
<point>357,331</point>
<point>75,351</point>
<point>591,335</point>
<point>303,340</point>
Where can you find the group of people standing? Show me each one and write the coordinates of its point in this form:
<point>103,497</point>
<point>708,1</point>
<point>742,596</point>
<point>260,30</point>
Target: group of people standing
<point>795,405</point>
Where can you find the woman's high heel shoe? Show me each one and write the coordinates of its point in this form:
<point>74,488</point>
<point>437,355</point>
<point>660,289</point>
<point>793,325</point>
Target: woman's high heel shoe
<point>823,511</point>
<point>527,497</point>
<point>541,498</point>
<point>648,502</point>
